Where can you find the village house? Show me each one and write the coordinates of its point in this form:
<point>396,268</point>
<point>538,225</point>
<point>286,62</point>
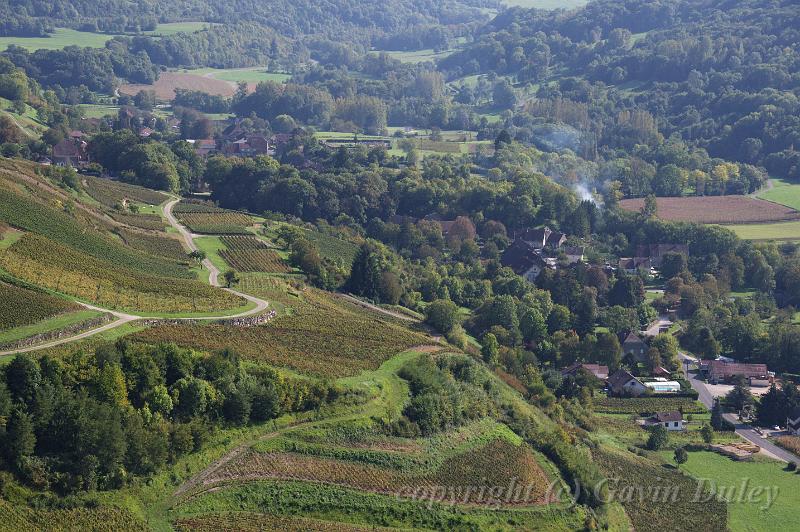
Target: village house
<point>542,238</point>
<point>661,371</point>
<point>203,147</point>
<point>656,252</point>
<point>633,347</point>
<point>70,152</point>
<point>672,420</point>
<point>601,372</point>
<point>574,254</point>
<point>622,383</point>
<point>716,371</point>
<point>525,260</point>
<point>634,264</point>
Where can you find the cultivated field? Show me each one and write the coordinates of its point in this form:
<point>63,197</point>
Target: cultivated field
<point>322,336</point>
<point>717,209</point>
<point>169,81</point>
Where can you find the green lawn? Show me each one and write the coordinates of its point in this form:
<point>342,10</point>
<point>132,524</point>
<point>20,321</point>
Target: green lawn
<point>91,110</point>
<point>419,56</point>
<point>783,192</point>
<point>744,515</point>
<point>767,231</point>
<point>51,324</point>
<point>171,28</point>
<point>212,246</point>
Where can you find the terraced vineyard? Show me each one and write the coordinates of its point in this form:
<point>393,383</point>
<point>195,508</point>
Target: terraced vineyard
<point>216,223</point>
<point>47,263</point>
<point>111,193</point>
<point>253,522</point>
<point>150,222</point>
<point>16,517</point>
<point>21,306</point>
<point>491,465</point>
<point>647,405</point>
<point>249,254</point>
<point>322,337</point>
<point>162,246</point>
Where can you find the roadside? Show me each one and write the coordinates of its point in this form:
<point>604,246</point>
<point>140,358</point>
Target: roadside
<point>743,430</point>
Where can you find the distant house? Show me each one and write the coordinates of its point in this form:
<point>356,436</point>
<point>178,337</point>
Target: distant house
<point>669,420</point>
<point>661,371</point>
<point>717,371</point>
<point>541,238</point>
<point>70,152</point>
<point>204,147</point>
<point>601,372</point>
<point>633,265</point>
<point>793,422</point>
<point>145,132</point>
<point>76,134</point>
<point>524,259</point>
<point>656,252</point>
<point>624,384</point>
<point>634,346</point>
<point>574,254</point>
<point>662,385</point>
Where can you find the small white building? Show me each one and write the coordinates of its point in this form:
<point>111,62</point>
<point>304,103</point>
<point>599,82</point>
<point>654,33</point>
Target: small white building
<point>669,420</point>
<point>662,385</point>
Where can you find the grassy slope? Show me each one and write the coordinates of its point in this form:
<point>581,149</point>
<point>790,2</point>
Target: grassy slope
<point>784,193</point>
<point>51,324</point>
<point>768,231</point>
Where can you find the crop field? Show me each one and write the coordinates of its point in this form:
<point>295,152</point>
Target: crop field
<point>647,509</point>
<point>23,212</point>
<point>169,81</point>
<point>491,465</point>
<point>74,319</point>
<point>219,223</point>
<point>334,503</point>
<point>716,209</point>
<point>50,264</point>
<point>151,222</point>
<point>320,336</point>
<point>768,231</point>
<point>20,517</point>
<point>162,246</point>
<point>790,443</point>
<point>255,522</point>
<point>249,254</point>
<point>190,206</point>
<point>21,306</point>
<point>110,193</point>
<point>747,515</point>
<point>333,248</point>
<point>647,405</point>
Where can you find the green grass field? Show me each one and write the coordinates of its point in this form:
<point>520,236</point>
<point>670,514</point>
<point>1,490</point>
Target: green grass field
<point>236,75</point>
<point>212,245</point>
<point>744,515</point>
<point>783,192</point>
<point>63,37</point>
<point>53,324</point>
<point>768,231</point>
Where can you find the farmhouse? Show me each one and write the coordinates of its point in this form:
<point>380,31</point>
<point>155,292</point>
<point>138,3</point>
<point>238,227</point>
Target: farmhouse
<point>633,347</point>
<point>70,152</point>
<point>622,383</point>
<point>574,254</point>
<point>524,259</point>
<point>717,371</point>
<point>662,385</point>
<point>669,420</point>
<point>601,372</point>
<point>541,238</point>
<point>633,265</point>
<point>203,147</point>
<point>656,252</point>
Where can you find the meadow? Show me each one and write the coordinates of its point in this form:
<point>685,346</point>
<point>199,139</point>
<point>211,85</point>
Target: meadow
<point>761,474</point>
<point>783,192</point>
<point>770,231</point>
<point>63,37</point>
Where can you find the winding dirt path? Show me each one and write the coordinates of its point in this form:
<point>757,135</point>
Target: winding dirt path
<point>123,318</point>
<point>376,308</point>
